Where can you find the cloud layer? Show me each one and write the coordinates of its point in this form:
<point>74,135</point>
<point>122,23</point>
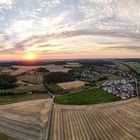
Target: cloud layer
<point>69,28</point>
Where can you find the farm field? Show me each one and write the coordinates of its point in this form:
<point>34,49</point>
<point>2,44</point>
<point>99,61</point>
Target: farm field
<point>57,68</point>
<point>5,137</point>
<point>7,99</point>
<point>72,65</point>
<point>55,89</point>
<point>71,85</point>
<point>122,67</point>
<point>22,69</point>
<point>108,121</point>
<point>5,70</point>
<point>25,87</point>
<point>135,66</point>
<point>51,68</point>
<point>87,96</point>
<point>24,120</point>
<point>29,78</point>
<point>27,82</point>
<point>113,77</point>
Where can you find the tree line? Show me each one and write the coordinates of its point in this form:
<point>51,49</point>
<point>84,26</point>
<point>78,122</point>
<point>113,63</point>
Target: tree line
<point>57,77</point>
<point>7,81</point>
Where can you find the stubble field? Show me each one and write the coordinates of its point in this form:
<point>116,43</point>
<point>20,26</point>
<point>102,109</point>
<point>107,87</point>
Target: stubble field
<point>51,68</point>
<point>111,121</point>
<point>71,85</point>
<point>24,120</point>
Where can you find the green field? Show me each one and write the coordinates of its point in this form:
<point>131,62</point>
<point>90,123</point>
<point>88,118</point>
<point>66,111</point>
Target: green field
<point>123,67</point>
<point>55,89</point>
<point>23,97</point>
<point>134,66</point>
<point>87,96</point>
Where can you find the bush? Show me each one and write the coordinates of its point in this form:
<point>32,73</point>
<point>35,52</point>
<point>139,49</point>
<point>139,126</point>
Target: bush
<point>7,93</point>
<point>43,70</point>
<point>103,78</point>
<point>54,88</point>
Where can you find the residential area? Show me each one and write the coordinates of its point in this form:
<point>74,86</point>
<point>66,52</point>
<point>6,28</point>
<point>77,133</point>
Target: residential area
<point>121,88</point>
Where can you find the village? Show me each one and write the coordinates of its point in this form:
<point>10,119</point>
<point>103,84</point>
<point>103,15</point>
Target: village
<point>123,89</point>
<point>86,73</point>
<point>108,70</point>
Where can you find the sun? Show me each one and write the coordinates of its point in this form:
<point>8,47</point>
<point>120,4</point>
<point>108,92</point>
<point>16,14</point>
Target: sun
<point>30,56</point>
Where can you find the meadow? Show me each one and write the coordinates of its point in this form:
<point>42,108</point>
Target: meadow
<point>86,96</point>
<point>133,65</point>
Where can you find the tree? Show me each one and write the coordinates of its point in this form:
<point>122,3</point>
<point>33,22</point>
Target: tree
<point>7,81</point>
<point>57,77</point>
<point>103,78</point>
<point>42,70</point>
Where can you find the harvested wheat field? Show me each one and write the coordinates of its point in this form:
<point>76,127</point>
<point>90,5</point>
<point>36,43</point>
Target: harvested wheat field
<point>57,68</point>
<point>71,85</point>
<point>29,78</point>
<point>51,68</point>
<point>109,121</point>
<point>22,69</point>
<point>25,120</point>
<point>26,87</point>
<point>72,65</point>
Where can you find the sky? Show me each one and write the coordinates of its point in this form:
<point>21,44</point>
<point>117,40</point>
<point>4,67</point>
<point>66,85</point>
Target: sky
<point>57,29</point>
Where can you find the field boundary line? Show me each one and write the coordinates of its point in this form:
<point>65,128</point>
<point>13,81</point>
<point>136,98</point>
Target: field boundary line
<point>47,130</point>
<point>49,122</point>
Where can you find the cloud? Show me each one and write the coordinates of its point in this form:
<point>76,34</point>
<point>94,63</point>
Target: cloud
<point>6,4</point>
<point>115,15</point>
<point>3,37</point>
<point>45,42</point>
<point>23,29</point>
<point>51,3</point>
<point>69,34</point>
<point>69,26</point>
<point>133,48</point>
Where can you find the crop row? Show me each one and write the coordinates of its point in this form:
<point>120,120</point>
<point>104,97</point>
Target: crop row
<point>97,122</point>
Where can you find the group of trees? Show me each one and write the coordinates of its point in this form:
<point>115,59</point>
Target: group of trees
<point>33,63</point>
<point>57,77</point>
<point>7,81</point>
<point>91,63</point>
<point>102,78</point>
<point>7,93</point>
<point>42,70</point>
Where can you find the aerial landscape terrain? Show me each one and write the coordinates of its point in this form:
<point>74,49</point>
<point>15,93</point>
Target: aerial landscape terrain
<point>69,69</point>
<point>84,99</point>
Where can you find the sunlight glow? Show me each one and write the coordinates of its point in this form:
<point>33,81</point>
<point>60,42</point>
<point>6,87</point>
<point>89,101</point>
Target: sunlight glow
<point>30,56</point>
